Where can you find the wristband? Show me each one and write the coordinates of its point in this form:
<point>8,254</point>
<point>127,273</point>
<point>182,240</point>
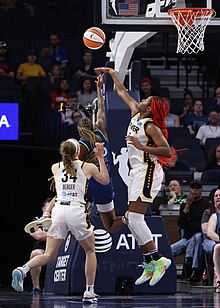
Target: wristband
<point>111,71</point>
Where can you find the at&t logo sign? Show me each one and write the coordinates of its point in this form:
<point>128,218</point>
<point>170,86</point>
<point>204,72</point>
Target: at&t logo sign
<point>104,242</point>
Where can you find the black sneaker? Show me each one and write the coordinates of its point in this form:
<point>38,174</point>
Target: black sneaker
<point>36,291</point>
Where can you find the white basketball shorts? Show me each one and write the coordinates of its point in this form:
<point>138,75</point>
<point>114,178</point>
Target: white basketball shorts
<point>145,182</point>
<point>70,218</point>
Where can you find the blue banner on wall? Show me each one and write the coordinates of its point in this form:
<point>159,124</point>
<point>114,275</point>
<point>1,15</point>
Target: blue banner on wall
<point>9,121</point>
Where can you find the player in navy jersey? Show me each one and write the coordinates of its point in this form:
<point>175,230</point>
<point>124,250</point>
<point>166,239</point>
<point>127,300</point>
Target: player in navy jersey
<point>101,195</point>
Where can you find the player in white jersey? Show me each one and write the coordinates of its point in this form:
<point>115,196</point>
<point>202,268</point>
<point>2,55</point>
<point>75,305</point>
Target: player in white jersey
<point>69,214</point>
<point>147,149</point>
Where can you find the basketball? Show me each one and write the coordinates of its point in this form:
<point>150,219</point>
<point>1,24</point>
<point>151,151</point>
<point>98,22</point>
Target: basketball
<point>94,38</point>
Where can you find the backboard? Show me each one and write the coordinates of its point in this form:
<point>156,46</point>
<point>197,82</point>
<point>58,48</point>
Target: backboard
<point>146,15</point>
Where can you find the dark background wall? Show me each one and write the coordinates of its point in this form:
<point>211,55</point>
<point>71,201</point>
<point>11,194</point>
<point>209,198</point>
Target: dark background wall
<point>23,187</point>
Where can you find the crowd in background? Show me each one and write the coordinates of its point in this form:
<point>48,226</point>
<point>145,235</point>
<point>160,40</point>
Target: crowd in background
<point>71,91</point>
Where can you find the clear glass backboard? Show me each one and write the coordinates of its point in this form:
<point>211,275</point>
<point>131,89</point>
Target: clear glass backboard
<point>148,15</point>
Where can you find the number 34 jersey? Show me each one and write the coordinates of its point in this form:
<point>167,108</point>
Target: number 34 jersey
<point>71,188</point>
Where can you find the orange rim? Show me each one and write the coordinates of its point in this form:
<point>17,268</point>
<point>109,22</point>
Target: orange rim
<point>183,16</point>
<point>184,11</point>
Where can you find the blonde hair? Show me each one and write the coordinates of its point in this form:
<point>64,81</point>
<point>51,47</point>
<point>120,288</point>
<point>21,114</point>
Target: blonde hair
<point>85,129</point>
<point>69,150</point>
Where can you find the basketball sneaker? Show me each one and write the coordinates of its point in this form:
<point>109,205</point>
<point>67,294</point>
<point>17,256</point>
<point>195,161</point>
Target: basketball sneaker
<point>147,272</point>
<point>43,222</point>
<point>17,280</point>
<point>90,297</point>
<point>36,291</point>
<point>160,267</point>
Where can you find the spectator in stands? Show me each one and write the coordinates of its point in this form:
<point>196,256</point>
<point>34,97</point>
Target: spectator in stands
<point>175,195</point>
<point>189,222</point>
<point>188,105</point>
<point>214,105</point>
<point>39,244</point>
<point>213,159</point>
<point>55,72</point>
<point>146,88</point>
<point>61,92</point>
<point>86,70</point>
<point>172,120</point>
<point>86,94</point>
<point>208,243</point>
<point>44,59</point>
<point>58,54</point>
<point>5,61</point>
<point>68,108</point>
<point>30,68</point>
<point>76,117</point>
<point>197,118</point>
<point>211,130</point>
<point>214,234</point>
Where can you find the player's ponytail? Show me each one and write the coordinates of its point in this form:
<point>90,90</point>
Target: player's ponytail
<point>85,129</point>
<point>69,149</point>
<point>159,111</point>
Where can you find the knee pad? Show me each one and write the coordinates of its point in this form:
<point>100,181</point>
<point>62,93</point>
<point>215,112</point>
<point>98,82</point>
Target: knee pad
<point>139,228</point>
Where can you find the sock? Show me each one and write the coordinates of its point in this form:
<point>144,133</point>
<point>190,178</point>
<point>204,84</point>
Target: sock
<point>124,218</point>
<point>90,288</point>
<point>46,215</point>
<point>151,255</point>
<point>25,269</point>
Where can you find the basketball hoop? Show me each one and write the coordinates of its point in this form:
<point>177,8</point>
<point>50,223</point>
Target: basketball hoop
<point>191,24</point>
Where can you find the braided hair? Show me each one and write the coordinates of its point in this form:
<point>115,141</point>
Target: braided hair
<point>159,110</point>
<point>69,149</point>
<point>85,129</point>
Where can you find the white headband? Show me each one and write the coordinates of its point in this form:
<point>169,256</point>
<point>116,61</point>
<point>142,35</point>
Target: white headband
<point>75,142</point>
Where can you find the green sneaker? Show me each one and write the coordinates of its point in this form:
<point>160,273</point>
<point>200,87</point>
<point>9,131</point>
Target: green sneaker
<point>160,267</point>
<point>147,272</point>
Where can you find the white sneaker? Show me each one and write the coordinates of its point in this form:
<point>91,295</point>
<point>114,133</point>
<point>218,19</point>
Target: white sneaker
<point>42,222</point>
<point>18,280</point>
<point>90,297</point>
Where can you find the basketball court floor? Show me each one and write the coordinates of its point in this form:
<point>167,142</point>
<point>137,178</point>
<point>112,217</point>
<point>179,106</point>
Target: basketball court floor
<point>11,299</point>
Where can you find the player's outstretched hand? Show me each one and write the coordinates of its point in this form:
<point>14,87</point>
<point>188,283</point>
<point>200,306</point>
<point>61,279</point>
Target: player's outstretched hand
<point>103,69</point>
<point>99,149</point>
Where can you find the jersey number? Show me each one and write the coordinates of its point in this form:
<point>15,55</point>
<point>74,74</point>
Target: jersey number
<point>66,177</point>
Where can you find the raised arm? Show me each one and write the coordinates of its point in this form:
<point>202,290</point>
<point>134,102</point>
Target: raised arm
<point>121,90</point>
<point>102,175</point>
<point>101,118</point>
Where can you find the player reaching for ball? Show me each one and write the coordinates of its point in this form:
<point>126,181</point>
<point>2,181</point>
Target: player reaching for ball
<point>101,195</point>
<point>148,149</point>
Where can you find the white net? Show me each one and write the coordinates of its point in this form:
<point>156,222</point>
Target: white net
<point>191,24</point>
